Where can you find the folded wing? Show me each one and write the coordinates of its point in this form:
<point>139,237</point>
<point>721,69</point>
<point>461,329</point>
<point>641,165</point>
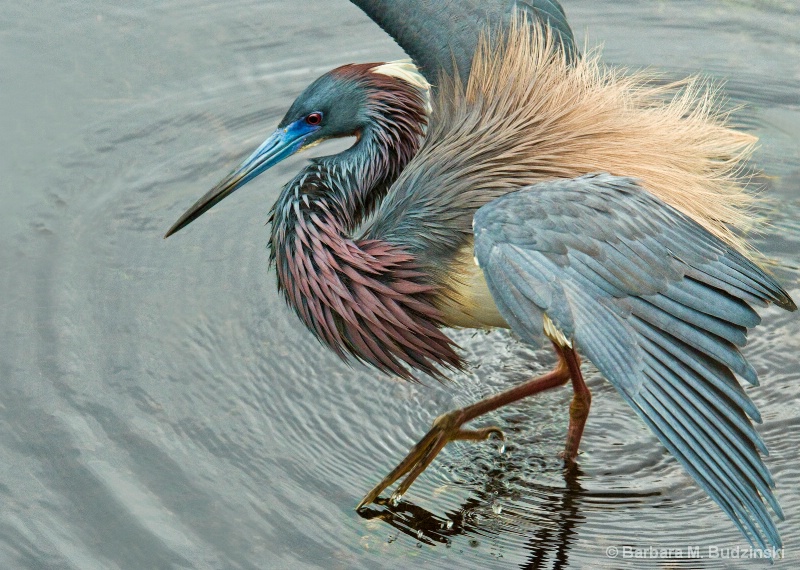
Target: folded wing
<point>659,305</point>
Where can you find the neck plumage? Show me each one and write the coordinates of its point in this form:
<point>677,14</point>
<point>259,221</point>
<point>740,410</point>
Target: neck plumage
<point>366,298</point>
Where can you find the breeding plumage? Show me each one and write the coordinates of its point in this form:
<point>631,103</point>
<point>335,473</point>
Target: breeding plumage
<point>547,194</point>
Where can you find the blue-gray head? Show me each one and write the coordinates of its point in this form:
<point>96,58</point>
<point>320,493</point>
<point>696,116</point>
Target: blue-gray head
<point>384,106</point>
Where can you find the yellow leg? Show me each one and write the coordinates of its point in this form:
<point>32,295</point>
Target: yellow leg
<point>579,407</point>
<point>447,427</point>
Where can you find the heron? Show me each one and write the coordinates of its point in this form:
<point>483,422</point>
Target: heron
<point>502,179</point>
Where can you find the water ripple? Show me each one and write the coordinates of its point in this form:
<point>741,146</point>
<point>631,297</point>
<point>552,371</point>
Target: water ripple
<point>164,408</point>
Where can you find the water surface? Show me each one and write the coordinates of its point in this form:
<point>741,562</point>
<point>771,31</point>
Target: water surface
<point>160,407</point>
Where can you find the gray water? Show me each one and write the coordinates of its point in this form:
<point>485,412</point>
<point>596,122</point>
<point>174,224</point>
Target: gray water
<point>160,407</point>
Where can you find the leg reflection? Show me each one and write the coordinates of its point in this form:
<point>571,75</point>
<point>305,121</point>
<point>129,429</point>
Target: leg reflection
<point>548,516</point>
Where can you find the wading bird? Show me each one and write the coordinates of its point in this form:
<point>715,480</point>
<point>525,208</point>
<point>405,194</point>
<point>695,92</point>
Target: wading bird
<point>537,190</point>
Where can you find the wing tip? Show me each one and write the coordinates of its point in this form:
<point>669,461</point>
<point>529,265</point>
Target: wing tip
<point>786,302</point>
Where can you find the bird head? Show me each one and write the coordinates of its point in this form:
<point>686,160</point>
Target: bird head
<point>344,102</point>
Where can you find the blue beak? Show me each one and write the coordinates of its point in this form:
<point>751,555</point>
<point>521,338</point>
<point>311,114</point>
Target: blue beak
<point>280,145</point>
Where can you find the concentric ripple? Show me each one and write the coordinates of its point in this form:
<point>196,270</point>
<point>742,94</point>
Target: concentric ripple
<point>161,407</point>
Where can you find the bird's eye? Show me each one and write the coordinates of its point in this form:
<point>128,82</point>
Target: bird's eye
<point>314,119</point>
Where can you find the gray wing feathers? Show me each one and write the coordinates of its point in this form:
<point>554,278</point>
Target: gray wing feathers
<point>658,304</point>
<point>437,33</point>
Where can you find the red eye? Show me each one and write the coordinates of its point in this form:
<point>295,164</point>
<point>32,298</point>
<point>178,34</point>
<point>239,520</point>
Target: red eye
<point>314,119</point>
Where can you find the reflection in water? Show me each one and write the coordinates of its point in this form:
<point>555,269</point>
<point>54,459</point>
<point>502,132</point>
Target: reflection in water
<point>549,548</point>
<point>546,517</point>
<point>161,408</point>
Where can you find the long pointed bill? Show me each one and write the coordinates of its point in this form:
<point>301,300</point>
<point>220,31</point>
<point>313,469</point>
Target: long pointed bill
<point>280,145</point>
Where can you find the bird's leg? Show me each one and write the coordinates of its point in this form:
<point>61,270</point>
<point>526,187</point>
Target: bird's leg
<point>579,408</point>
<point>447,428</point>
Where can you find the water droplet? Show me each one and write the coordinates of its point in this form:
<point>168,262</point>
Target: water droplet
<point>497,508</point>
<point>448,525</point>
<point>474,543</point>
<point>420,534</point>
<point>501,449</point>
<point>391,538</point>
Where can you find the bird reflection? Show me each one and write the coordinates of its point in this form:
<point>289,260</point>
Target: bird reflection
<point>548,516</point>
<point>548,195</point>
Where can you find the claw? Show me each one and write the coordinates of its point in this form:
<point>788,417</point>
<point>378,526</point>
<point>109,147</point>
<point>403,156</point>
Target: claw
<point>446,428</point>
<point>480,434</point>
